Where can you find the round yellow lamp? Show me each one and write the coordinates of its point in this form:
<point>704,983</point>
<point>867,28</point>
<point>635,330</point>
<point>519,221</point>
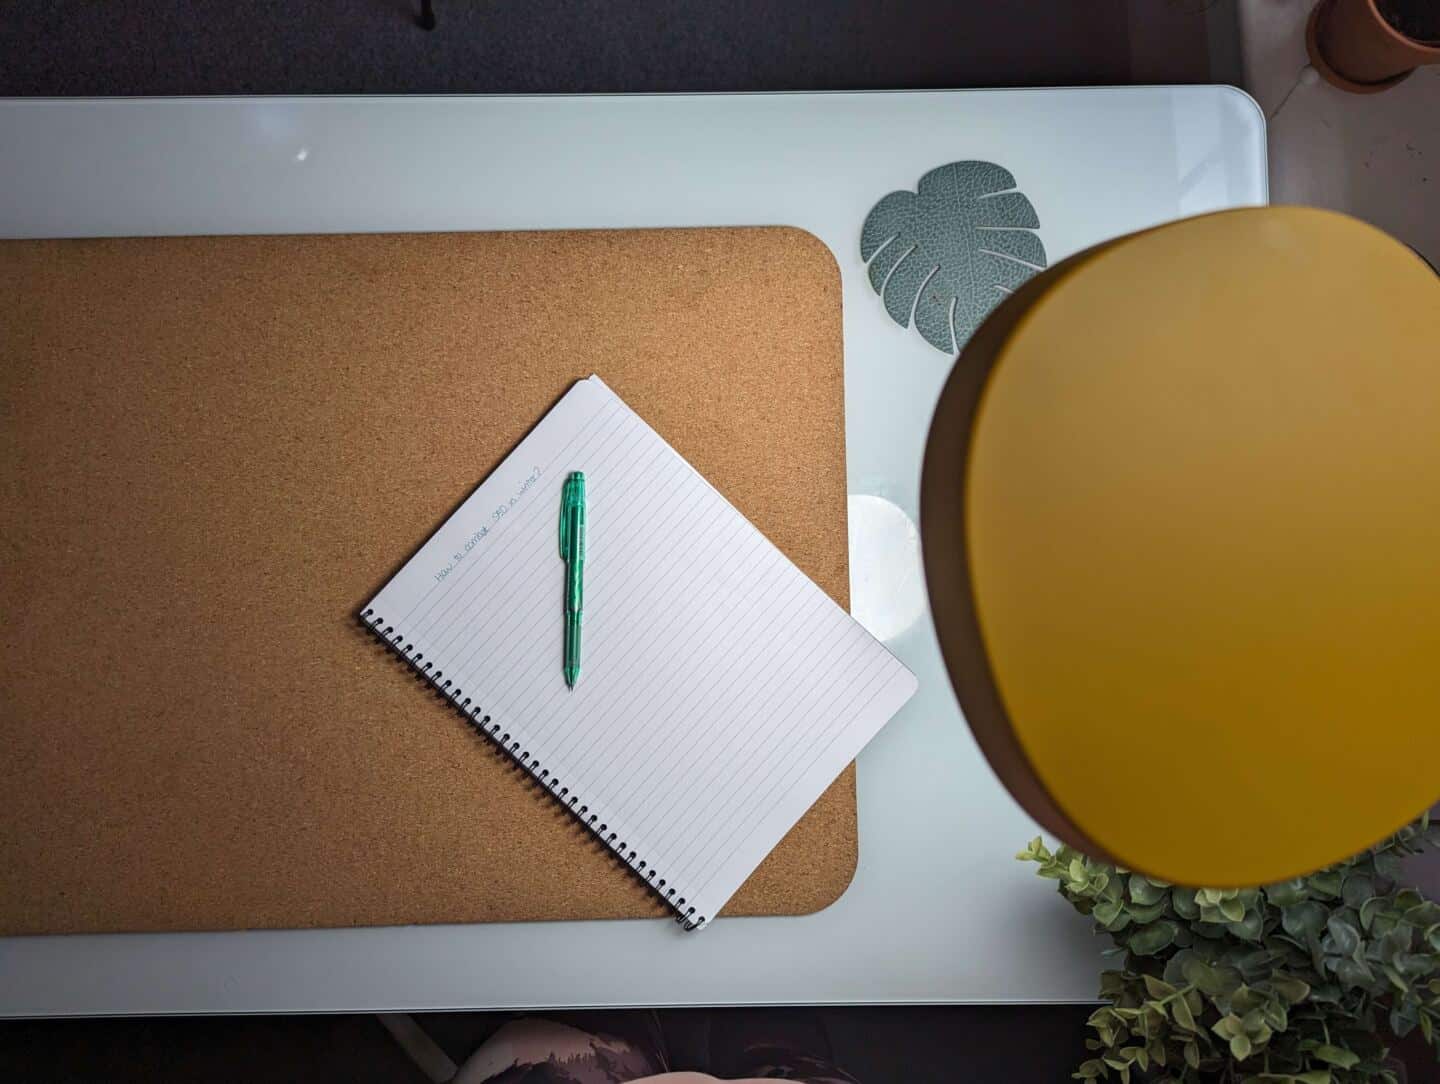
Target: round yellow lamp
<point>1181,525</point>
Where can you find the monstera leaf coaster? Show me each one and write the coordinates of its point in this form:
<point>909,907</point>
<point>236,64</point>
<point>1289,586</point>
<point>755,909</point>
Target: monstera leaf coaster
<point>952,249</point>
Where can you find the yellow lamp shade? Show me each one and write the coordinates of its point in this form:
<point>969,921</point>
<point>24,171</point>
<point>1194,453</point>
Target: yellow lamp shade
<point>1181,525</point>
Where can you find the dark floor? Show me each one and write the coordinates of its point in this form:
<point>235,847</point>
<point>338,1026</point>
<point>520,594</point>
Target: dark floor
<point>68,47</point>
<point>1036,1044</point>
<point>1020,1045</point>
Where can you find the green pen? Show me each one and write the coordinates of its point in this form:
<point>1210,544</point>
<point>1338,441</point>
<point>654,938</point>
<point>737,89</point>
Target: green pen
<point>572,552</point>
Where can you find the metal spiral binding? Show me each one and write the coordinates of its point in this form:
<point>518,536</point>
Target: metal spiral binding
<point>473,714</point>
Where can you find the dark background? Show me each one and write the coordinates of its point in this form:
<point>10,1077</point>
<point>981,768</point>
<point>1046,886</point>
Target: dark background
<point>169,47</point>
<point>73,47</point>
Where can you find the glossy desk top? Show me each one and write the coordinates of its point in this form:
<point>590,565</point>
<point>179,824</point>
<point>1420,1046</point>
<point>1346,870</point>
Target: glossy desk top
<point>939,910</point>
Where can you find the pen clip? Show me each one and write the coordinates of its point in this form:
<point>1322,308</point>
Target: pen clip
<point>567,522</point>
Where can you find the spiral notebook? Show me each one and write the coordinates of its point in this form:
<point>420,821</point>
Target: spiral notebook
<point>721,692</point>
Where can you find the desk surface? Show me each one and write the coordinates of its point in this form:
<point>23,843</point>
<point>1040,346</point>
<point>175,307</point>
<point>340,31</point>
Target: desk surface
<point>938,910</point>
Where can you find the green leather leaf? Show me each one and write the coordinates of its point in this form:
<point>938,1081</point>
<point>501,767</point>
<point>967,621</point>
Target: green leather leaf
<point>952,250</point>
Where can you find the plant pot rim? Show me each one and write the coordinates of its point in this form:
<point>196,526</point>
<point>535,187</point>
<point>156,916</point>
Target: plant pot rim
<point>1320,64</point>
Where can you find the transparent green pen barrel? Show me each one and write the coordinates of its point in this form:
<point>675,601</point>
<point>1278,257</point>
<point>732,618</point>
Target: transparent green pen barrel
<point>573,620</point>
<point>572,551</point>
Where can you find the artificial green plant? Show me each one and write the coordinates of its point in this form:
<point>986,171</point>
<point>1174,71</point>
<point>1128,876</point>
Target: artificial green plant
<point>1294,983</point>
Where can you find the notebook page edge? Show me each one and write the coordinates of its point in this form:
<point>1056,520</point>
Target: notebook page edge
<point>416,578</point>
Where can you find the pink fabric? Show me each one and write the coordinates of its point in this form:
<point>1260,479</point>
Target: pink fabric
<point>535,1050</point>
<point>697,1078</point>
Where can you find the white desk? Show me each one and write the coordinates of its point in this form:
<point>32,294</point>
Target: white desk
<point>938,910</point>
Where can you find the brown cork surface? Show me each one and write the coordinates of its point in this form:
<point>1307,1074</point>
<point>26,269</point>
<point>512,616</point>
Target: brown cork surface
<point>214,449</point>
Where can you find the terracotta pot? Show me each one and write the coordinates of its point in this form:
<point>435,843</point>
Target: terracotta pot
<point>1353,47</point>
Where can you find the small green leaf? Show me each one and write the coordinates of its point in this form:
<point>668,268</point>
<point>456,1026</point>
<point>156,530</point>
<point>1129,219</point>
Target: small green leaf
<point>1423,914</point>
<point>1175,967</point>
<point>1210,912</point>
<point>1396,943</point>
<point>1325,883</point>
<point>1199,973</point>
<point>1089,1070</point>
<point>1227,1026</point>
<point>1257,962</point>
<point>1158,988</point>
<point>1304,920</point>
<point>1389,866</point>
<point>1352,974</point>
<point>1183,1017</point>
<point>1183,900</point>
<point>1368,910</point>
<point>1248,928</point>
<point>1143,915</point>
<point>1289,987</point>
<point>1240,1047</point>
<point>1157,1052</point>
<point>1192,1054</point>
<point>1357,889</point>
<point>1326,993</point>
<point>1245,1000</point>
<point>1148,940</point>
<point>1345,936</point>
<point>1403,1019</point>
<point>1383,922</point>
<point>1106,913</point>
<point>1232,909</point>
<point>1229,980</point>
<point>1142,891</point>
<point>1337,1056</point>
<point>1286,892</point>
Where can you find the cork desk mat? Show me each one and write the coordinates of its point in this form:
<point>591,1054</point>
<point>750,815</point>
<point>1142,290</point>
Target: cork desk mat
<point>214,449</point>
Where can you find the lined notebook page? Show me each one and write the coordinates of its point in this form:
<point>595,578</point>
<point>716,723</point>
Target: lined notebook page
<point>721,690</point>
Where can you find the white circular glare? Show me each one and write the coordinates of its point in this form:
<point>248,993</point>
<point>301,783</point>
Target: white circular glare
<point>887,588</point>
